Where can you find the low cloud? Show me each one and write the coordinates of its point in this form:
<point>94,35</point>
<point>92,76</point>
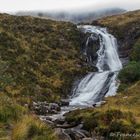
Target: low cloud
<point>66,5</point>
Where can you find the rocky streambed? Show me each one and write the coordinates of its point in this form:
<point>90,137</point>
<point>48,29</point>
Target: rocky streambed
<point>54,115</point>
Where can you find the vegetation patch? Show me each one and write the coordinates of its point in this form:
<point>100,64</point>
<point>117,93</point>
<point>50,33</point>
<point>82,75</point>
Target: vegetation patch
<point>40,59</point>
<point>32,128</point>
<point>104,122</point>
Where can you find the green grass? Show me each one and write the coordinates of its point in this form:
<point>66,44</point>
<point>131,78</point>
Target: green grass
<point>9,109</point>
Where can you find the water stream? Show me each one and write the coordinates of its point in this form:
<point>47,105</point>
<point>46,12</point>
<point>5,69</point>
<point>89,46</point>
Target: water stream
<point>95,86</point>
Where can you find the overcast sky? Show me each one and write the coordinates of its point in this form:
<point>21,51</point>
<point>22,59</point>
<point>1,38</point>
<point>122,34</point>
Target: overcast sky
<point>70,5</point>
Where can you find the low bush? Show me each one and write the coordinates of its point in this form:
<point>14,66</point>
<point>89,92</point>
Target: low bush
<point>130,73</point>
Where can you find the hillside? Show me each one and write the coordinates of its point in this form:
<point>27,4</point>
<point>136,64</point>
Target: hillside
<point>39,61</point>
<point>39,58</point>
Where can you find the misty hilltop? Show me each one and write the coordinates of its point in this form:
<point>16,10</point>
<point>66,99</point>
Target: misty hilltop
<point>75,17</point>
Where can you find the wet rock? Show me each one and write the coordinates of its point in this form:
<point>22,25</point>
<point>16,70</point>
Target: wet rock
<point>64,102</point>
<point>92,47</point>
<point>94,105</point>
<point>48,118</point>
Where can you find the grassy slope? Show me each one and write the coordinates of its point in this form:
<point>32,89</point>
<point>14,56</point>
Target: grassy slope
<point>39,60</point>
<point>120,113</point>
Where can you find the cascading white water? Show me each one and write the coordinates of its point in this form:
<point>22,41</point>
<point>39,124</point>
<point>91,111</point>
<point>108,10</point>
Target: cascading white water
<point>94,86</point>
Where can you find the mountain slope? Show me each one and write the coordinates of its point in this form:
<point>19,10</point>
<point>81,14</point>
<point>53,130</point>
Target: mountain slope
<point>39,60</point>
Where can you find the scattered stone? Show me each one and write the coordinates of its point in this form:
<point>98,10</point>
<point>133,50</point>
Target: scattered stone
<point>44,108</point>
<point>54,107</point>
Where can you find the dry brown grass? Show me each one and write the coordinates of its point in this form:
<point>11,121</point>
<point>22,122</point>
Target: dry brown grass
<point>32,128</point>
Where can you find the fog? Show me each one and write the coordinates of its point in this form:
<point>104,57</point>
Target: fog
<point>66,5</point>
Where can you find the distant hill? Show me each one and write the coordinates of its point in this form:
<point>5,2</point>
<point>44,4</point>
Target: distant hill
<point>77,17</point>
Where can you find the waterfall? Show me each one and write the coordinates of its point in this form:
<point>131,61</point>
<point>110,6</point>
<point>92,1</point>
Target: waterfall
<point>95,86</point>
